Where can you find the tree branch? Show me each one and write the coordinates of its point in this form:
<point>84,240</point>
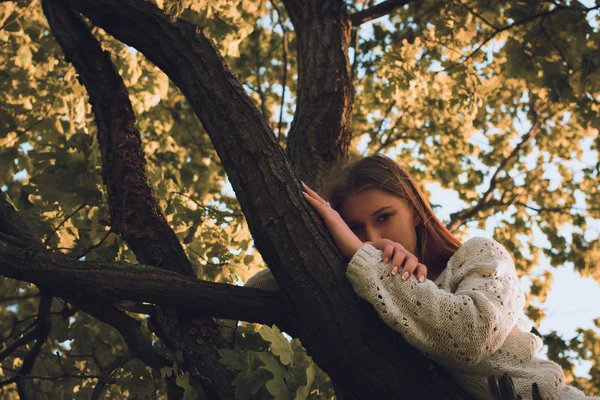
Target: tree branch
<point>284,51</point>
<point>24,339</point>
<point>323,118</point>
<point>498,30</point>
<point>41,331</point>
<point>458,218</point>
<point>377,11</point>
<point>135,212</point>
<point>129,328</point>
<point>113,281</point>
<point>348,342</point>
<point>108,373</point>
<point>49,236</point>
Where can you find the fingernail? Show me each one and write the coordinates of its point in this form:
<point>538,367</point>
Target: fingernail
<point>385,260</point>
<point>394,270</point>
<point>304,193</point>
<point>405,276</point>
<point>303,184</point>
<point>421,278</point>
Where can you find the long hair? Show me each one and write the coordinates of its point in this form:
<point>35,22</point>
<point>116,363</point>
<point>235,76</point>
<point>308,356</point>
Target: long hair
<point>435,242</point>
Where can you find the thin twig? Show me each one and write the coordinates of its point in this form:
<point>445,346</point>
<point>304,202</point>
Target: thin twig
<point>49,236</point>
<point>284,60</point>
<point>95,246</point>
<point>502,29</point>
<point>377,11</point>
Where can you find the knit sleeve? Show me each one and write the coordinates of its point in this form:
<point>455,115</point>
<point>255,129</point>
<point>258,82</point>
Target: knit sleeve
<point>458,327</point>
<point>263,280</point>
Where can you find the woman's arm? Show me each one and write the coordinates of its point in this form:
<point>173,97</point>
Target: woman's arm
<point>459,327</point>
<point>263,280</point>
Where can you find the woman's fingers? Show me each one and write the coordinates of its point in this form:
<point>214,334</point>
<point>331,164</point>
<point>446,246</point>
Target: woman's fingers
<point>319,206</point>
<point>313,194</point>
<point>388,251</point>
<point>421,272</point>
<point>399,255</point>
<point>409,266</point>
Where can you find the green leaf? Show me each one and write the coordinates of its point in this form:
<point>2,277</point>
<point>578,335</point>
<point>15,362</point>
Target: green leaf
<point>276,386</point>
<point>183,381</point>
<point>233,358</point>
<point>303,391</point>
<point>279,344</point>
<point>166,371</point>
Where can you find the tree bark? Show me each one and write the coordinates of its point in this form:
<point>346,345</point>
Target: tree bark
<point>113,281</point>
<point>135,212</point>
<point>363,357</point>
<point>321,130</point>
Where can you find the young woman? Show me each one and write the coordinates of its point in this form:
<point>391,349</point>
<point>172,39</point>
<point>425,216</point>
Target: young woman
<point>468,315</point>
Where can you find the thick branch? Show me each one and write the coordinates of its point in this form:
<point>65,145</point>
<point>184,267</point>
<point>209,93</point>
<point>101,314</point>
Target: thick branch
<point>377,11</point>
<point>42,331</point>
<point>353,346</point>
<point>320,133</point>
<point>135,212</point>
<point>112,281</point>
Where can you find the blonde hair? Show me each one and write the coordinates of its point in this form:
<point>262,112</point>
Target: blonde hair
<point>435,242</point>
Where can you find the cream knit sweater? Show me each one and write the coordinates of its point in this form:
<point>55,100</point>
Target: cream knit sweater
<point>470,319</point>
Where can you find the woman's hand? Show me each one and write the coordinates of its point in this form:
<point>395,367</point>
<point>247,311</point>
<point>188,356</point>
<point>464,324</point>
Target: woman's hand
<point>398,254</point>
<point>347,242</point>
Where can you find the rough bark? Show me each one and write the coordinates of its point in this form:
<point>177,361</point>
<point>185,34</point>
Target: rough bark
<point>135,212</point>
<point>23,245</point>
<point>113,281</point>
<point>364,358</point>
<point>321,130</point>
<point>377,11</point>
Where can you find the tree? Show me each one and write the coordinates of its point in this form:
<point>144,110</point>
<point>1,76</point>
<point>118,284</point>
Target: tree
<point>114,206</point>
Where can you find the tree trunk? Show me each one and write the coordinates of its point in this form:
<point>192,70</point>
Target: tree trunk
<point>363,357</point>
<point>135,212</point>
<point>321,131</point>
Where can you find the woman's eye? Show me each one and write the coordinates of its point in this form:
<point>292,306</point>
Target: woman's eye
<point>384,217</point>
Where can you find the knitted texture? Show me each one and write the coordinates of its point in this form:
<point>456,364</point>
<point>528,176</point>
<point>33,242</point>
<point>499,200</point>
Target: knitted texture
<point>263,279</point>
<point>470,319</point>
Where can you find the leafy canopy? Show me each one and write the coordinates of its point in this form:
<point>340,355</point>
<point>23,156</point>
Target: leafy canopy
<point>496,101</point>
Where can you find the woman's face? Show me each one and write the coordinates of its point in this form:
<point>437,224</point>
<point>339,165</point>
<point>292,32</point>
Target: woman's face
<point>375,214</point>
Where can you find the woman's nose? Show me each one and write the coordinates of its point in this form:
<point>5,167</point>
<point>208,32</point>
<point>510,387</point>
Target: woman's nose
<point>372,234</point>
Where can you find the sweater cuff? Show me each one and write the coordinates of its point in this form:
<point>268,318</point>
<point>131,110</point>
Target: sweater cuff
<point>362,261</point>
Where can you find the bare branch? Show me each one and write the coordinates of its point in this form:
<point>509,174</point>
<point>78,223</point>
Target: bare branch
<point>22,340</point>
<point>94,246</point>
<point>41,332</point>
<point>285,66</point>
<point>49,236</point>
<point>257,67</point>
<point>129,328</point>
<point>377,11</point>
<point>458,218</point>
<point>499,30</point>
<point>135,212</point>
<point>113,281</point>
<point>476,14</point>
